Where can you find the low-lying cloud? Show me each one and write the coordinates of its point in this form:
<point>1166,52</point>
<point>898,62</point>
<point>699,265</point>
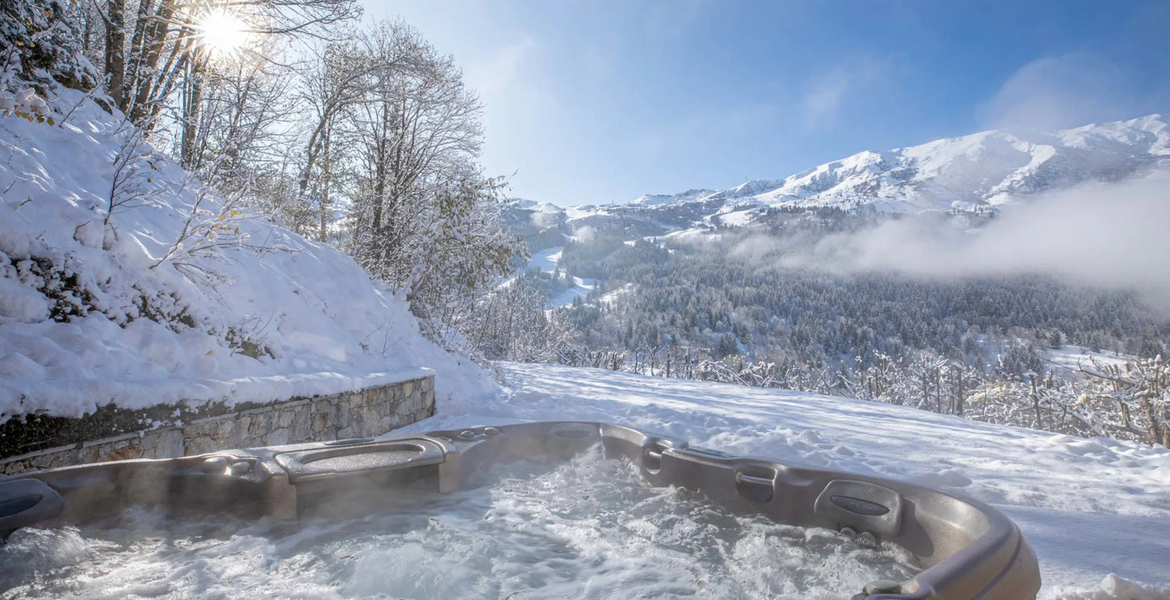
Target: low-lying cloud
<point>1103,235</point>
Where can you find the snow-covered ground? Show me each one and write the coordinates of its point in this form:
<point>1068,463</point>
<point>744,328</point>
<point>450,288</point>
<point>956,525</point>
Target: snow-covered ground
<point>145,331</point>
<point>547,261</point>
<point>737,218</point>
<point>581,288</point>
<point>609,299</point>
<point>1071,358</point>
<point>1097,511</point>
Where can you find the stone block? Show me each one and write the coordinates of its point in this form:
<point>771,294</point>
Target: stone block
<point>200,445</point>
<point>169,444</point>
<point>278,437</point>
<point>300,430</point>
<point>339,416</point>
<point>120,451</point>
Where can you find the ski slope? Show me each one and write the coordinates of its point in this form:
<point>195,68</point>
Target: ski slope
<point>1097,511</point>
<point>547,261</point>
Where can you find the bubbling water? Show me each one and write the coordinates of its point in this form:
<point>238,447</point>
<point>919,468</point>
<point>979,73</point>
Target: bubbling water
<point>588,528</point>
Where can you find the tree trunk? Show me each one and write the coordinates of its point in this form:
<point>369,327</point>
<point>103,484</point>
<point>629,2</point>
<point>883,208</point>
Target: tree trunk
<point>959,399</point>
<point>938,391</point>
<point>325,205</point>
<point>1148,407</point>
<point>116,51</point>
<point>192,107</point>
<point>380,169</point>
<point>1036,402</point>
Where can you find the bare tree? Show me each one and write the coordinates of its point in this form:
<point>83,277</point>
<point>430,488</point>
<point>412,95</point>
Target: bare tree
<point>153,48</point>
<point>133,183</point>
<point>422,215</point>
<point>239,126</point>
<point>422,135</point>
<point>333,81</point>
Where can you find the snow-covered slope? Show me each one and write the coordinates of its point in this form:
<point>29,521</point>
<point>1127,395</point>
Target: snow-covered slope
<point>1097,511</point>
<point>89,316</point>
<point>979,171</point>
<point>985,168</point>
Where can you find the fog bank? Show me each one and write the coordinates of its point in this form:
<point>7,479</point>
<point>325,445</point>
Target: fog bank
<point>1110,235</point>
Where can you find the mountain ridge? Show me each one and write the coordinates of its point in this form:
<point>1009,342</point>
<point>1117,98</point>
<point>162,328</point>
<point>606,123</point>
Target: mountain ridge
<point>982,170</point>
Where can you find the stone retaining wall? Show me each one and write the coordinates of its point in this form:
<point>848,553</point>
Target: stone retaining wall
<point>369,412</point>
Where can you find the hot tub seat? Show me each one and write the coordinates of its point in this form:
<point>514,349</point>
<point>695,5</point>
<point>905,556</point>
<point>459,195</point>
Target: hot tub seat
<point>969,550</point>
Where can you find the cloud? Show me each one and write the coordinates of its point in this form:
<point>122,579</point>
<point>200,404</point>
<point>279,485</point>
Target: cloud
<point>1103,235</point>
<point>492,77</point>
<point>830,92</point>
<point>1063,91</point>
<point>826,96</point>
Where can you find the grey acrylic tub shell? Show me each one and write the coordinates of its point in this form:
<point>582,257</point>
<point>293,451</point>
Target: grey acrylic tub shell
<point>968,549</point>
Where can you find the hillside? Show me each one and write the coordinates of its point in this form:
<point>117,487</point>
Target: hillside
<point>118,306</point>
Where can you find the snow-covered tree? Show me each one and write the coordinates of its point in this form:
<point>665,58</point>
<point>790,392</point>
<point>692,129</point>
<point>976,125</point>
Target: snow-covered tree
<point>41,45</point>
<point>422,215</point>
<point>515,323</point>
<point>1131,398</point>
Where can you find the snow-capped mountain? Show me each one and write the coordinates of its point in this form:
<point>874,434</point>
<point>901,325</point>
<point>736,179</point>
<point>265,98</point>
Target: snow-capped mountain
<point>981,171</point>
<point>987,168</point>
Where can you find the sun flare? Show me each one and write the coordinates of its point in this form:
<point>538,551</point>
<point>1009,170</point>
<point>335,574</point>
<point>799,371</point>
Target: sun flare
<point>222,32</point>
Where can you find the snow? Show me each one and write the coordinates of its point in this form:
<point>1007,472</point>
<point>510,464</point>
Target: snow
<point>610,299</point>
<point>19,303</point>
<point>1097,511</point>
<point>688,234</point>
<point>737,218</point>
<point>581,289</point>
<point>1071,358</point>
<point>546,260</point>
<point>661,199</point>
<point>327,327</point>
<point>981,167</point>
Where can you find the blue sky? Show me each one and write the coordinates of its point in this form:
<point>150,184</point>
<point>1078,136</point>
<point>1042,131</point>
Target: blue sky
<point>602,101</point>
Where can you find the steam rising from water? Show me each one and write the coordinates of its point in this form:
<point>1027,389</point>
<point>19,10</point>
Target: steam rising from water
<point>589,528</point>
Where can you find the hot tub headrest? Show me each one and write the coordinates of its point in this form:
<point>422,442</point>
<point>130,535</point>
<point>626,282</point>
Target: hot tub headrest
<point>25,502</point>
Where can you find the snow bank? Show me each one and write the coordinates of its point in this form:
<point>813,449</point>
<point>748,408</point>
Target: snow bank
<point>1117,588</point>
<point>86,318</point>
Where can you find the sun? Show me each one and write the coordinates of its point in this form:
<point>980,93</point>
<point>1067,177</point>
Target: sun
<point>222,32</point>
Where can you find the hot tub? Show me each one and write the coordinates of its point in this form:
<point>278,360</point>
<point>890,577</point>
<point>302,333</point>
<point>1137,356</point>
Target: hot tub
<point>967,549</point>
